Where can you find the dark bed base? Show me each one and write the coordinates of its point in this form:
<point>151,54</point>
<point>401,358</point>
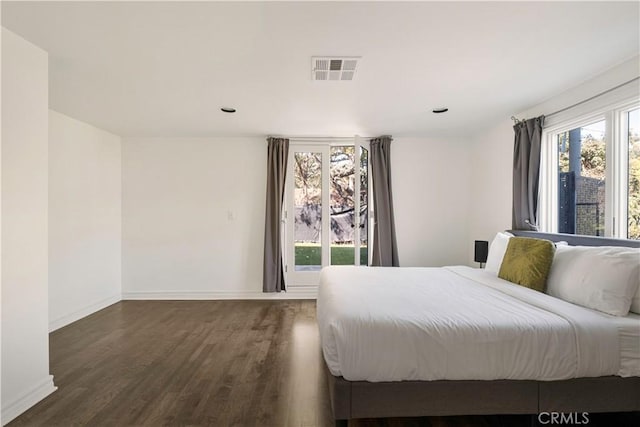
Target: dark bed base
<point>362,399</point>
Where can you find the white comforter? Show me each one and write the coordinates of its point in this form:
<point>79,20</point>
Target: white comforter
<point>455,323</point>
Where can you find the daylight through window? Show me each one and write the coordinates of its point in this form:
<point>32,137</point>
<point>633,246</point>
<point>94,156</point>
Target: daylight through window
<point>590,175</point>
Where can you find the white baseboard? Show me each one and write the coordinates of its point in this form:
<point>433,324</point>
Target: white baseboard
<point>83,312</point>
<point>17,406</point>
<point>307,292</point>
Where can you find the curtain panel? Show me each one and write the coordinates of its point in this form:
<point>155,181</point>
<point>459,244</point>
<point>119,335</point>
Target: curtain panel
<point>385,248</point>
<point>526,173</point>
<point>273,267</point>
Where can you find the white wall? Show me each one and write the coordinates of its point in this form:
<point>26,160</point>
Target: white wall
<point>0,228</point>
<point>492,153</point>
<point>193,217</point>
<point>491,177</point>
<point>84,219</point>
<point>25,340</point>
<point>178,193</point>
<point>430,179</point>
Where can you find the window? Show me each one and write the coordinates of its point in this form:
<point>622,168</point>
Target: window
<point>581,179</point>
<point>590,174</point>
<point>344,218</point>
<point>327,208</point>
<point>633,183</point>
<point>307,210</point>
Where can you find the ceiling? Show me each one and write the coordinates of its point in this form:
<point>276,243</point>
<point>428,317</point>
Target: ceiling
<point>166,68</point>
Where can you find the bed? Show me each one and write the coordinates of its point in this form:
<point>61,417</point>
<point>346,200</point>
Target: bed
<point>421,349</point>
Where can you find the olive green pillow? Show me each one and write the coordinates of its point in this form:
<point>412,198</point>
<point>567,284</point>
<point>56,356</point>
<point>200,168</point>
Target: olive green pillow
<point>527,262</point>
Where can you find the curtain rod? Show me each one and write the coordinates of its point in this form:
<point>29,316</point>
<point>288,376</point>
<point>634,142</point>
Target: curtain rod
<point>589,99</point>
<point>324,138</point>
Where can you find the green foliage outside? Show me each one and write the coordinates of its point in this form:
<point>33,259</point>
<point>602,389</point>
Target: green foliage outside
<point>307,254</point>
<point>593,165</point>
<point>592,157</point>
<point>308,174</point>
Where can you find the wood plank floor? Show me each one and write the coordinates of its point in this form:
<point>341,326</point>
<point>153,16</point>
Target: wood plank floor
<point>204,363</point>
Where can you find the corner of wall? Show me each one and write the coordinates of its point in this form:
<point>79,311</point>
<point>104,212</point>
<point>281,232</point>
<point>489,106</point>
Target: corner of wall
<point>17,406</point>
<point>25,345</point>
<point>491,179</point>
<point>85,219</point>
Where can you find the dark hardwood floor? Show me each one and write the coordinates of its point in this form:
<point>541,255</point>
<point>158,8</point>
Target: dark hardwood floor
<point>204,363</point>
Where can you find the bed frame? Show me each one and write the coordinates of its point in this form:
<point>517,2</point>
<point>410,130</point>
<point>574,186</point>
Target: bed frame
<point>363,399</point>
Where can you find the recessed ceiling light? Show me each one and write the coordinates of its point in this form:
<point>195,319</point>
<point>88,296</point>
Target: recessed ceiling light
<point>440,110</point>
<point>228,110</point>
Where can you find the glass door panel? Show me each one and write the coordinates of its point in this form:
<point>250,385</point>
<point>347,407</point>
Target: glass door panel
<point>307,210</point>
<point>364,206</point>
<point>342,205</point>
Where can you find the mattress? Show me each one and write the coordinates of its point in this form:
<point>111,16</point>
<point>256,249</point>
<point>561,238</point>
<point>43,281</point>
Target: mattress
<point>460,323</point>
<point>629,344</point>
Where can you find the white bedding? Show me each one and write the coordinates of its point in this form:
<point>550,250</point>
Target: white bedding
<point>456,323</point>
<point>629,334</point>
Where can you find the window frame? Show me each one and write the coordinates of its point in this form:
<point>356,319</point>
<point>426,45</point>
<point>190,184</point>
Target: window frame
<point>613,110</point>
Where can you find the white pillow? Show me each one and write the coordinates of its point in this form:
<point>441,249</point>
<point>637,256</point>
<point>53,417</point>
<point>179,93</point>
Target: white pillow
<point>635,302</point>
<point>496,252</point>
<point>604,278</point>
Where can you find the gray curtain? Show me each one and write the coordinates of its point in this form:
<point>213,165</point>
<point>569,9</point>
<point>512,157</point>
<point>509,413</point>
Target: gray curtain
<point>526,171</point>
<point>273,270</point>
<point>385,249</point>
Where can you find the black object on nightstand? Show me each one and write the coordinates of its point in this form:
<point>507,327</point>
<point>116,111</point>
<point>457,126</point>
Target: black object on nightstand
<point>481,251</point>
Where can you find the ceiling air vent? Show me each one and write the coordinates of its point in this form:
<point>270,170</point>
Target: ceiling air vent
<point>333,68</point>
